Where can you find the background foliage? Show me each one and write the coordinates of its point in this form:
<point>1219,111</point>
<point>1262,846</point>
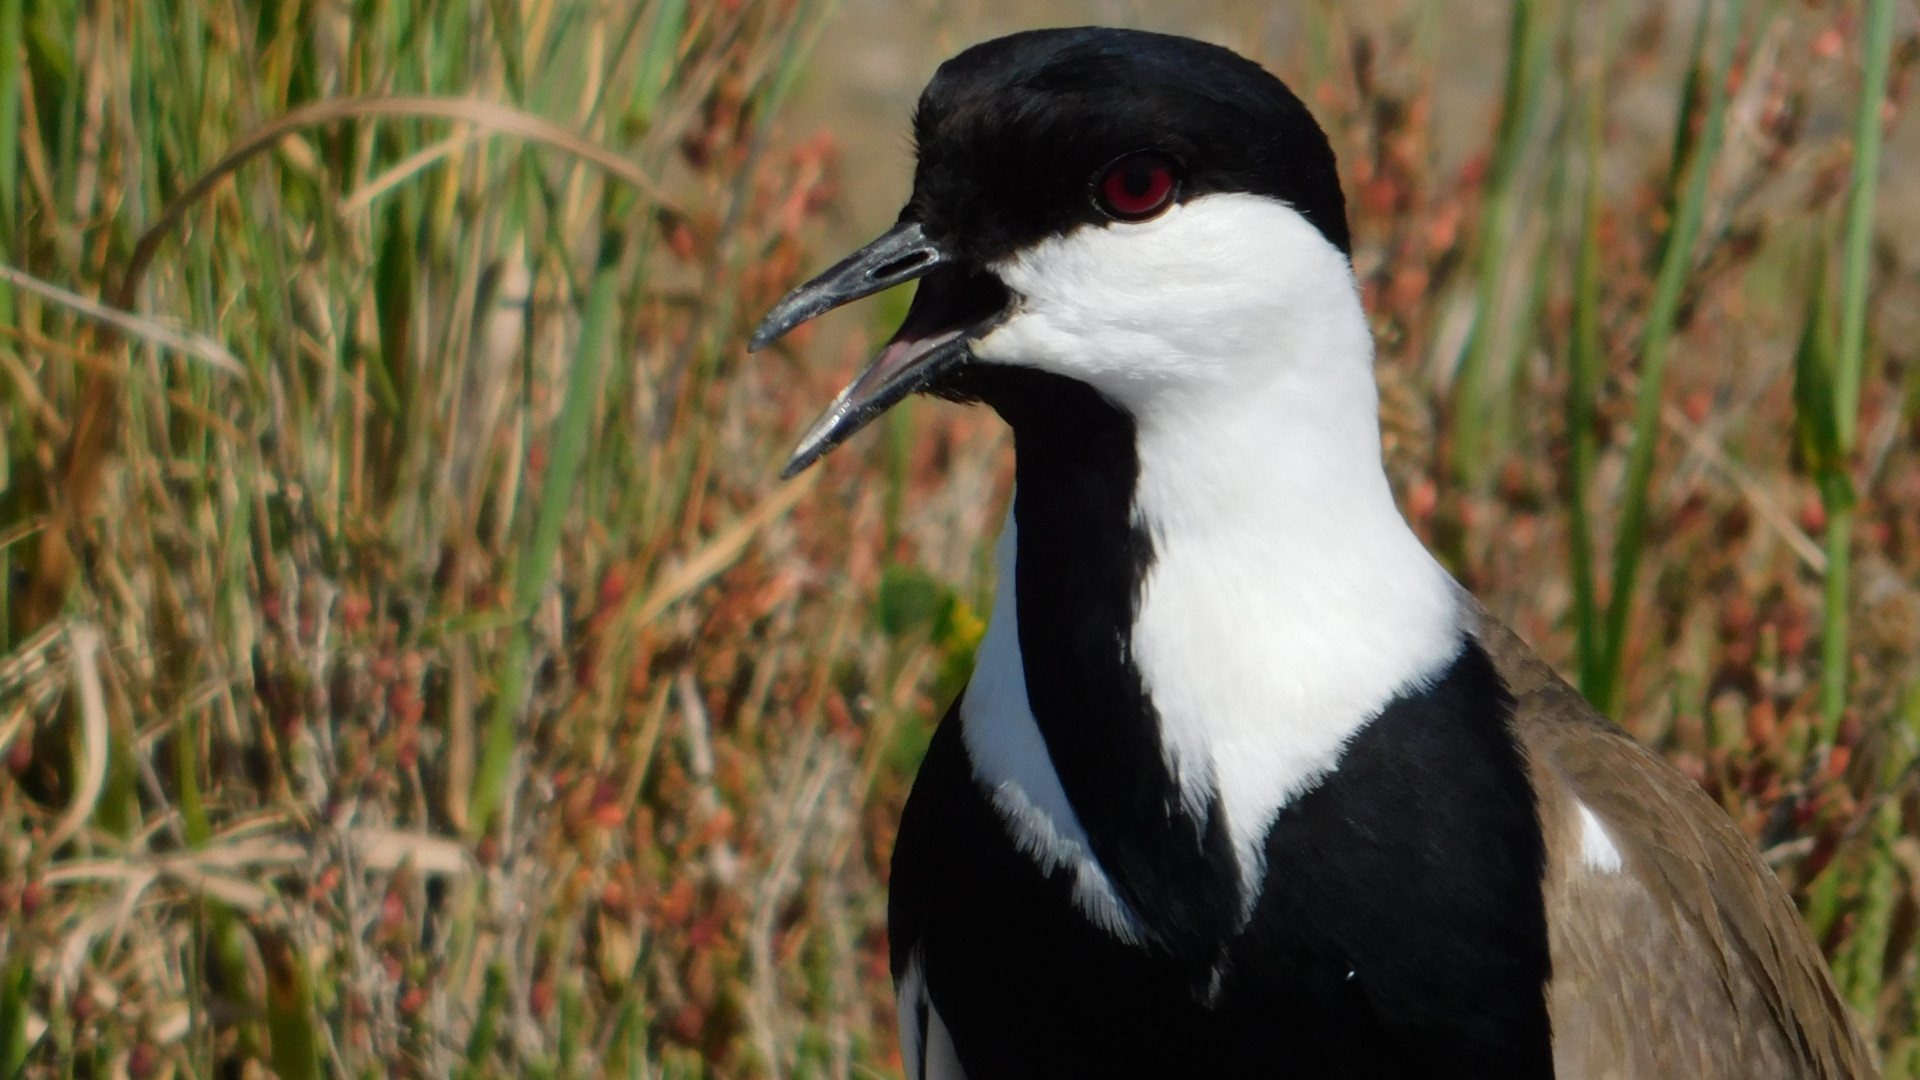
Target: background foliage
<point>410,666</point>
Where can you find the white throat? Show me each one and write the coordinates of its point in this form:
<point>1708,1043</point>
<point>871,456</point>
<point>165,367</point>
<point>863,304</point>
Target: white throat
<point>1287,601</point>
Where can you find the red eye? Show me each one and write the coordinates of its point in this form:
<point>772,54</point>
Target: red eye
<point>1136,187</point>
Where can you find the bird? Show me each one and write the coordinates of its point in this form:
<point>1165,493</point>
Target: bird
<point>1243,783</point>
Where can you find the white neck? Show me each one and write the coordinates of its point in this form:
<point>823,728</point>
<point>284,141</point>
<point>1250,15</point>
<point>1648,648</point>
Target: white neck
<point>1287,601</point>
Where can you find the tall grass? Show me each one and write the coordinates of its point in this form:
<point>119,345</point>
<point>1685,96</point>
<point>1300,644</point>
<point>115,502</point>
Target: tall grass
<point>410,665</point>
<point>416,741</point>
<point>1696,147</point>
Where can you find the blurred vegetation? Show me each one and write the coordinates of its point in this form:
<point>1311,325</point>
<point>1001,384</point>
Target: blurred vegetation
<point>410,665</point>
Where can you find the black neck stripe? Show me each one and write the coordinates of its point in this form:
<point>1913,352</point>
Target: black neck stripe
<point>1081,560</point>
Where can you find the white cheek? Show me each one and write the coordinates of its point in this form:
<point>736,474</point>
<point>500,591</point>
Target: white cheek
<point>1185,300</point>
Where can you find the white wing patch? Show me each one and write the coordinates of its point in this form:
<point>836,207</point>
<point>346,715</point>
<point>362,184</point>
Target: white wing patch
<point>1596,847</point>
<point>1010,760</point>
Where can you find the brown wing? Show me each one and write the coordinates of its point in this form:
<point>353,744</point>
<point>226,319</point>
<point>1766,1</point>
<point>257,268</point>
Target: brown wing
<point>1685,957</point>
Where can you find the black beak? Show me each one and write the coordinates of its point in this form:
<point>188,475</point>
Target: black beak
<point>952,307</point>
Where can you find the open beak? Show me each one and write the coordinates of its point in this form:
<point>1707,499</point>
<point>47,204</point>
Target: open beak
<point>953,306</point>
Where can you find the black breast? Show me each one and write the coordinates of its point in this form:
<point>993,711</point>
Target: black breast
<point>1400,931</point>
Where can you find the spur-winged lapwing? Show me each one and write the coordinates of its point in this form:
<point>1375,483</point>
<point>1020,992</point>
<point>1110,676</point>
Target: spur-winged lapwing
<point>1243,784</point>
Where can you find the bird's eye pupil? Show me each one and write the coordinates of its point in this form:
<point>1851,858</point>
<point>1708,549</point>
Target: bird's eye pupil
<point>1137,187</point>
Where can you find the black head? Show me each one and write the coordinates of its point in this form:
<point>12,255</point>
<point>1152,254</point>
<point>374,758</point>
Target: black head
<point>1015,135</point>
<point>1036,136</point>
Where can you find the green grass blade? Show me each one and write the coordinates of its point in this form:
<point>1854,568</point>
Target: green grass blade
<point>657,61</point>
<point>1856,259</point>
<point>1686,133</point>
<point>15,985</point>
<point>1676,266</point>
<point>186,776</point>
<point>535,570</point>
<point>1861,967</point>
<point>1813,411</point>
<point>486,1026</point>
<point>1858,254</point>
<point>295,1054</point>
<point>11,53</point>
<point>1479,421</point>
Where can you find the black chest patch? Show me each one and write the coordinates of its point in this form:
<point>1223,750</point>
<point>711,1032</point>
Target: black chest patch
<point>1400,931</point>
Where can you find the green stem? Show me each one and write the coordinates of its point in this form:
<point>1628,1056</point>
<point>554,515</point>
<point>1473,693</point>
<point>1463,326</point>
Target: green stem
<point>1850,362</point>
<point>486,1026</point>
<point>186,776</point>
<point>1878,47</point>
<point>1879,895</point>
<point>1834,646</point>
<point>295,1053</point>
<point>16,988</point>
<point>1874,925</point>
<point>1676,264</point>
<point>535,571</point>
<point>12,53</point>
<point>1478,419</point>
